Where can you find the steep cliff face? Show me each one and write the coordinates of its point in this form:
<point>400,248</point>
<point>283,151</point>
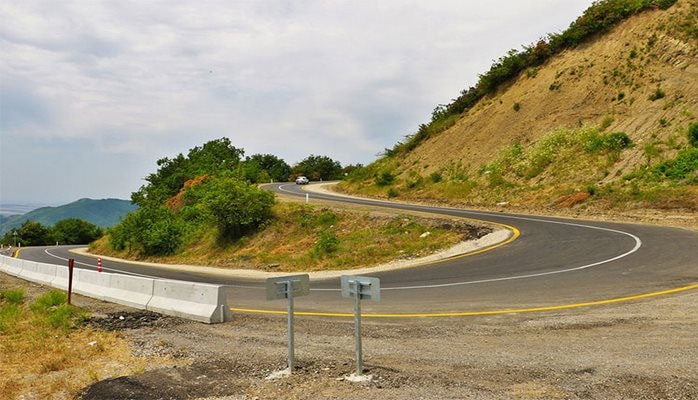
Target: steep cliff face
<point>639,79</point>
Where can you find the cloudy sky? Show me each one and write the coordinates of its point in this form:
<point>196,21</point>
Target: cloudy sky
<point>92,93</point>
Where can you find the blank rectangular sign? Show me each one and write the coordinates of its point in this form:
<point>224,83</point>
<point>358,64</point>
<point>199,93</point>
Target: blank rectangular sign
<point>369,288</point>
<point>277,288</point>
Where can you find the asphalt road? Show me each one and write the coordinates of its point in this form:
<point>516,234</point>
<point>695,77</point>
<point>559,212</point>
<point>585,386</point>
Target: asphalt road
<point>553,262</point>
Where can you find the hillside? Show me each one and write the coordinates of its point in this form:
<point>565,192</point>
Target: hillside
<point>103,213</point>
<point>602,124</point>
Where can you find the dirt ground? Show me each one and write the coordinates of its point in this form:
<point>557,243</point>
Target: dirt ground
<point>637,350</point>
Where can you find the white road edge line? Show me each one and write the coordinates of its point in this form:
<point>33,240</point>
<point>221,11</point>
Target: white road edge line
<point>638,244</point>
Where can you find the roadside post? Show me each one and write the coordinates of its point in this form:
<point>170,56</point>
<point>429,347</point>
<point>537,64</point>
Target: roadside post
<point>71,265</point>
<point>358,288</point>
<point>288,287</point>
<point>99,265</point>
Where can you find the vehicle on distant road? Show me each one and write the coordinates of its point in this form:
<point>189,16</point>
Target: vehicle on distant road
<point>302,180</point>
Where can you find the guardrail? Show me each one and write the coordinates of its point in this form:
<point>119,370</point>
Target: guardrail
<point>196,301</point>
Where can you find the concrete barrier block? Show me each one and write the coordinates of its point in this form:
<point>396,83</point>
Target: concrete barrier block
<point>132,291</point>
<point>38,272</point>
<point>9,265</point>
<point>61,279</point>
<point>90,283</point>
<point>195,301</point>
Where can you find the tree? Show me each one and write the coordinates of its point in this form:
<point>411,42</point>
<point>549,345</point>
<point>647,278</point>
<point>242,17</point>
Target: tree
<point>211,158</point>
<point>265,167</point>
<point>32,233</point>
<point>319,168</point>
<point>235,206</point>
<point>75,231</point>
<point>148,230</point>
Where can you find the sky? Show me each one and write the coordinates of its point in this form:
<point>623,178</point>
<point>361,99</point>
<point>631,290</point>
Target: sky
<point>93,93</point>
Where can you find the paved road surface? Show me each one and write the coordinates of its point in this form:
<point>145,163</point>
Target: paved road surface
<point>554,262</point>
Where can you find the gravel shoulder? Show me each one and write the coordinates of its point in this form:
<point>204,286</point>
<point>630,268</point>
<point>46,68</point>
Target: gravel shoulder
<point>641,350</point>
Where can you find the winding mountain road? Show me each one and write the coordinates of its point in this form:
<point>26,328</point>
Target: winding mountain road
<point>552,263</point>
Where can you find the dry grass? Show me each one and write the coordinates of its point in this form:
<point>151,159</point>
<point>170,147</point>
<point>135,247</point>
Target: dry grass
<point>45,360</point>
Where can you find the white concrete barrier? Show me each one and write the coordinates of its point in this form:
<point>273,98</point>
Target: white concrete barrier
<point>90,283</point>
<point>38,272</point>
<point>12,266</point>
<point>132,291</point>
<point>61,279</point>
<point>197,301</point>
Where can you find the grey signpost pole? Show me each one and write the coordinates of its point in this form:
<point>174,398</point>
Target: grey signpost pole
<point>291,350</point>
<point>288,287</point>
<point>357,329</point>
<point>359,287</point>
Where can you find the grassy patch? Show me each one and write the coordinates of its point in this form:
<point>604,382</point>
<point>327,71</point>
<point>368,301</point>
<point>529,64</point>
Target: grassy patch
<point>46,350</point>
<point>303,237</point>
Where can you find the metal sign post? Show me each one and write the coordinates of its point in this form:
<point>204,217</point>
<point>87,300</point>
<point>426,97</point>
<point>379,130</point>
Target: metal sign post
<point>359,287</point>
<point>288,287</point>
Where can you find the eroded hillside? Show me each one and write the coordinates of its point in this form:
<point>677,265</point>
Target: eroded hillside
<point>546,138</point>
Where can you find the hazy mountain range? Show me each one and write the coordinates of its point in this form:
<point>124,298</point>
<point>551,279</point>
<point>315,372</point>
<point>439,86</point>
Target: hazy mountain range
<point>104,213</point>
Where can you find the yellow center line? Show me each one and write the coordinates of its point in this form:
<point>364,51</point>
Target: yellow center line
<point>476,313</point>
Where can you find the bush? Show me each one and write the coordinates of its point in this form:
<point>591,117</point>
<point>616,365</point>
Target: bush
<point>693,134</point>
<point>684,166</point>
<point>657,94</point>
<point>149,230</point>
<point>391,193</point>
<point>236,207</point>
<point>385,178</point>
<point>617,141</point>
<point>435,177</point>
<point>327,243</point>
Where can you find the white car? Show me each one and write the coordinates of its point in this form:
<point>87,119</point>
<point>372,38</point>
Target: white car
<point>302,180</point>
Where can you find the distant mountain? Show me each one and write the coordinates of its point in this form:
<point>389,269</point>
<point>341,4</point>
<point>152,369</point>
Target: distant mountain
<point>104,213</point>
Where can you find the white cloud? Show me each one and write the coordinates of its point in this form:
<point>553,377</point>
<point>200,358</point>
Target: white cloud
<point>142,80</point>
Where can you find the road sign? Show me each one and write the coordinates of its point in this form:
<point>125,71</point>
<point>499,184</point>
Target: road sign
<point>360,288</point>
<point>278,288</point>
<point>288,287</point>
<point>367,288</point>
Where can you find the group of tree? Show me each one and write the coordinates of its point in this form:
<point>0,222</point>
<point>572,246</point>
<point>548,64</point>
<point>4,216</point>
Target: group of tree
<point>212,187</point>
<point>67,231</point>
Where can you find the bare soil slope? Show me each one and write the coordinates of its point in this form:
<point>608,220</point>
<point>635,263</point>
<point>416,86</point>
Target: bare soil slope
<point>640,79</point>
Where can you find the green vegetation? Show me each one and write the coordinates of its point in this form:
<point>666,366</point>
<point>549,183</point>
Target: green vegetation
<point>600,17</point>
<point>319,168</point>
<point>303,237</point>
<point>210,192</point>
<point>67,231</point>
<point>693,134</point>
<point>47,312</point>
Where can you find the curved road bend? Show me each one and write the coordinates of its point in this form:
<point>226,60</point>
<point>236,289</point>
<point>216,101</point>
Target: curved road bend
<point>555,261</point>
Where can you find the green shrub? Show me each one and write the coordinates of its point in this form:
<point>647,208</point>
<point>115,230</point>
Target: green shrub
<point>617,141</point>
<point>327,243</point>
<point>391,193</point>
<point>517,107</point>
<point>693,134</point>
<point>684,166</point>
<point>435,177</point>
<point>385,178</point>
<point>657,94</point>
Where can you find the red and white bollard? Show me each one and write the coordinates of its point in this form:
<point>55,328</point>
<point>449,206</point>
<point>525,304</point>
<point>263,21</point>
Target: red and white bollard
<point>99,265</point>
